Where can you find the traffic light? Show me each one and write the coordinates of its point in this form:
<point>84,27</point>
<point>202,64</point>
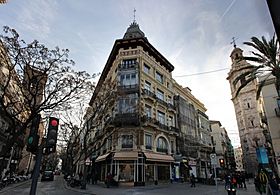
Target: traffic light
<point>52,134</point>
<point>33,138</point>
<point>222,162</point>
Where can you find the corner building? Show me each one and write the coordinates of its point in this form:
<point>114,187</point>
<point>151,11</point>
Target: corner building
<point>143,119</point>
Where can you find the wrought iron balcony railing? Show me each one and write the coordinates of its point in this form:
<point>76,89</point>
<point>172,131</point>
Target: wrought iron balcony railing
<point>149,93</point>
<point>128,66</point>
<point>163,150</point>
<point>128,88</point>
<point>122,119</point>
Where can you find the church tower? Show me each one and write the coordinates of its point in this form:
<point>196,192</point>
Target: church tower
<point>246,111</point>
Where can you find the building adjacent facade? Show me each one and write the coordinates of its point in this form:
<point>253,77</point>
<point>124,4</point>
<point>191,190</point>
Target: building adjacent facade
<point>269,110</point>
<point>18,159</point>
<point>145,121</point>
<point>238,159</point>
<point>223,147</point>
<point>246,111</point>
<point>194,139</point>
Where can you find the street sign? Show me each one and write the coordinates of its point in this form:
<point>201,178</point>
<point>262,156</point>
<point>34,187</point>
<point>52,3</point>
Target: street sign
<point>213,158</point>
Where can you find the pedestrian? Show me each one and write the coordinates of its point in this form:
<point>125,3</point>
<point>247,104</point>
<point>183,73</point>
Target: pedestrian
<point>88,178</point>
<point>80,175</point>
<point>192,180</point>
<point>231,187</point>
<point>243,180</point>
<point>260,182</point>
<point>274,186</point>
<point>109,179</point>
<point>227,181</point>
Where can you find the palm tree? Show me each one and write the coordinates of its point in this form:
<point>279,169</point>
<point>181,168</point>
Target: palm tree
<point>267,58</point>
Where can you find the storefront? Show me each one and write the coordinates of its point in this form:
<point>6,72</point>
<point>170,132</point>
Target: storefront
<point>135,168</point>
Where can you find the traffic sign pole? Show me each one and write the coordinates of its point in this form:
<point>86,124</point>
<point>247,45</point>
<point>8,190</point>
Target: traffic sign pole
<point>213,158</point>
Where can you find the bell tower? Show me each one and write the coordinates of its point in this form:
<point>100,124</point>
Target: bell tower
<point>246,110</point>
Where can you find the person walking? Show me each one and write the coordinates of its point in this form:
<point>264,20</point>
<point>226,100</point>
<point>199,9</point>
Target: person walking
<point>260,182</point>
<point>192,180</point>
<point>109,179</point>
<point>227,181</point>
<point>243,180</point>
<point>274,186</point>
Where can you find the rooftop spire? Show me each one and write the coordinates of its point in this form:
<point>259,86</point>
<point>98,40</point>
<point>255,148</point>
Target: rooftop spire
<point>233,42</point>
<point>134,11</point>
<point>133,31</point>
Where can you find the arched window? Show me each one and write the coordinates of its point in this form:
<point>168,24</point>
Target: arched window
<point>161,145</point>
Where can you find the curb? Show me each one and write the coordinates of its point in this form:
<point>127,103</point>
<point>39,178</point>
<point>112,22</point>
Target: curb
<point>15,185</point>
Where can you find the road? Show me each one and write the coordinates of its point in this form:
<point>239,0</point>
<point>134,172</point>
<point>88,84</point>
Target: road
<point>55,187</point>
<point>59,187</point>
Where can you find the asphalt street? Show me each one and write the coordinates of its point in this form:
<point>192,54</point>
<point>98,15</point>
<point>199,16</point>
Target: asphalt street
<point>59,187</point>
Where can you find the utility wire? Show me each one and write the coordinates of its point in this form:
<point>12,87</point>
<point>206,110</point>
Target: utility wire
<point>200,73</point>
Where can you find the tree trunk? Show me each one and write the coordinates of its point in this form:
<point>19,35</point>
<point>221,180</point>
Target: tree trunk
<point>8,164</point>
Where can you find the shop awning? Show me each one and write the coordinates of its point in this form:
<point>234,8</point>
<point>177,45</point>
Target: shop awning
<point>101,158</point>
<point>126,156</point>
<point>158,157</point>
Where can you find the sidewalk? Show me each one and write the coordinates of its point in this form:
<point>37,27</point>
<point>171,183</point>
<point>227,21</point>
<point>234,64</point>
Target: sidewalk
<point>178,188</point>
<point>11,186</point>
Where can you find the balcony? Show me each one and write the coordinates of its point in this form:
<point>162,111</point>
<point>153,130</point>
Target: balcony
<point>162,102</point>
<point>171,106</point>
<point>127,145</point>
<point>162,150</point>
<point>128,88</point>
<point>277,112</point>
<point>147,119</point>
<point>128,66</point>
<point>126,119</point>
<point>161,126</point>
<point>174,129</point>
<point>149,94</point>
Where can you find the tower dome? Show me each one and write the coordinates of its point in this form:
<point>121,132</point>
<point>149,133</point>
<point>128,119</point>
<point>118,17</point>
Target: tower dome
<point>133,31</point>
<point>236,54</point>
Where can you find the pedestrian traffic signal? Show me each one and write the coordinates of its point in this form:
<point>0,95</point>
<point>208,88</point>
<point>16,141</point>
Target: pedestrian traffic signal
<point>222,162</point>
<point>33,138</point>
<point>52,134</point>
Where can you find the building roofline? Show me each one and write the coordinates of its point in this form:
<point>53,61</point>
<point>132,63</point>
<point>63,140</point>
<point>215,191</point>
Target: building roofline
<point>119,43</point>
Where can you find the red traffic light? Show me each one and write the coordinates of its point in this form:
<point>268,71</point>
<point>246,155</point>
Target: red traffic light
<point>54,122</point>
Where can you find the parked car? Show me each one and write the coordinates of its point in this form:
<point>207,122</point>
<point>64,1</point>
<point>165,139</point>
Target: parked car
<point>47,176</point>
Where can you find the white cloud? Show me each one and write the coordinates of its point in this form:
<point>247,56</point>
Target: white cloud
<point>36,17</point>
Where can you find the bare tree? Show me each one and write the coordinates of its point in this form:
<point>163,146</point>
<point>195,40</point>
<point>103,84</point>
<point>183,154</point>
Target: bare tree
<point>35,79</point>
<point>92,133</point>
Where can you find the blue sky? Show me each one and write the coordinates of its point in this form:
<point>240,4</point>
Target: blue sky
<point>194,35</point>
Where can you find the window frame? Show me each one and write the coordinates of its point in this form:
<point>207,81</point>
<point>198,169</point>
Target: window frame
<point>159,77</point>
